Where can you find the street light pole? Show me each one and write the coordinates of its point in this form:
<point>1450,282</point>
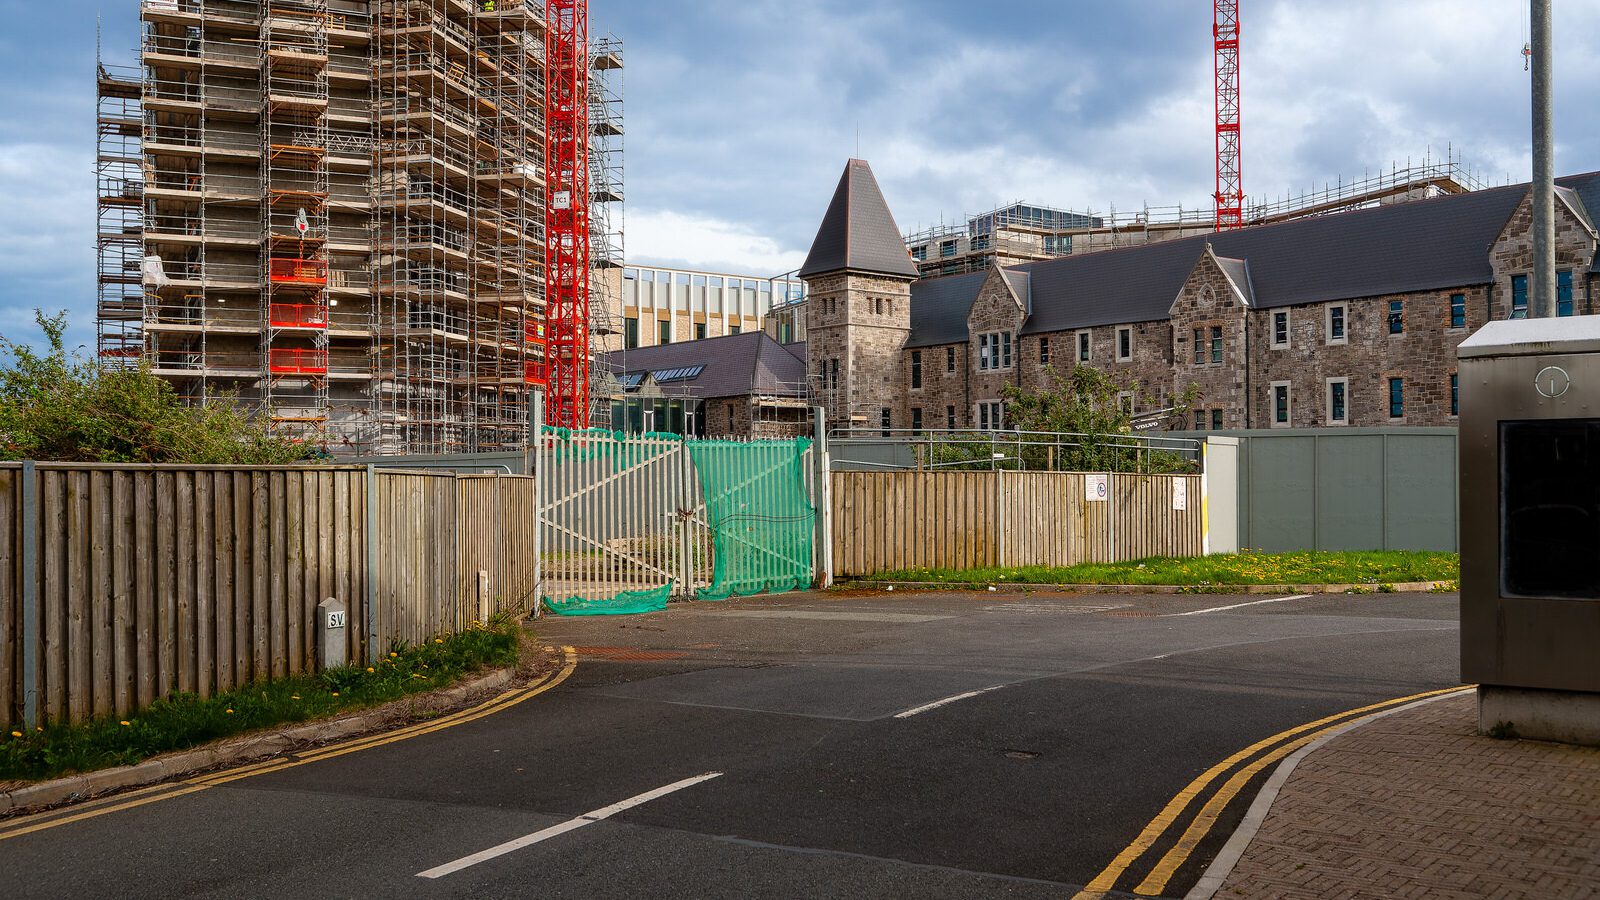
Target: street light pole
<point>1543,298</point>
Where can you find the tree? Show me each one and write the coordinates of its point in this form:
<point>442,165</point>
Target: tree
<point>61,406</point>
<point>1077,422</point>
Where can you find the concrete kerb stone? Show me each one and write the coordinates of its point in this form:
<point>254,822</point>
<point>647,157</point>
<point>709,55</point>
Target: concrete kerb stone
<point>248,748</point>
<point>1222,866</point>
<point>1403,587</point>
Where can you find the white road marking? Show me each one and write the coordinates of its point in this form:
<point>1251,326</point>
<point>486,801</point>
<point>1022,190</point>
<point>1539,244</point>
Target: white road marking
<point>1199,612</point>
<point>945,702</point>
<point>588,818</point>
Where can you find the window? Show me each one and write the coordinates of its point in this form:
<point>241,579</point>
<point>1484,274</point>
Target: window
<point>949,359</point>
<point>1125,401</point>
<point>833,375</point>
<point>1083,346</point>
<point>950,417</point>
<point>1280,404</point>
<point>887,415</point>
<point>730,418</point>
<point>699,331</point>
<point>1216,343</point>
<point>735,329</point>
<point>990,415</point>
<point>630,333</point>
<point>1124,344</point>
<point>1044,351</point>
<point>1458,310</point>
<point>1519,296</point>
<point>1336,324</point>
<point>1199,420</point>
<point>1216,420</point>
<point>1564,293</point>
<point>1397,317</point>
<point>877,306</point>
<point>994,351</point>
<point>916,369</point>
<point>1338,401</point>
<point>1455,395</point>
<point>1397,398</point>
<point>916,420</point>
<point>1199,348</point>
<point>664,331</point>
<point>1280,329</point>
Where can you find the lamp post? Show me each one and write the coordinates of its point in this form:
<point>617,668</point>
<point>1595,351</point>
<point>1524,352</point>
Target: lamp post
<point>1542,302</point>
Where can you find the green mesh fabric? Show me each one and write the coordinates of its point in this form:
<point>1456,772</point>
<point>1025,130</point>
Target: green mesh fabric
<point>619,448</point>
<point>625,603</point>
<point>761,519</point>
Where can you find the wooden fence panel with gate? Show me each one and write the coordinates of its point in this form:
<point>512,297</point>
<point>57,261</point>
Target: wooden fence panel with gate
<point>895,521</point>
<point>155,579</point>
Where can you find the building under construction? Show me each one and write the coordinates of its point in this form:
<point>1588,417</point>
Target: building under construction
<point>1025,232</point>
<point>359,215</point>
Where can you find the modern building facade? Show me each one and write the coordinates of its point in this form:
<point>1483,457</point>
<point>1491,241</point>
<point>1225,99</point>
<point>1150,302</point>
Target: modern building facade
<point>663,305</point>
<point>334,210</point>
<point>1337,320</point>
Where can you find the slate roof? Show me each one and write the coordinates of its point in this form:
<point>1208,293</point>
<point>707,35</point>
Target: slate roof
<point>735,365</point>
<point>858,231</point>
<point>1417,246</point>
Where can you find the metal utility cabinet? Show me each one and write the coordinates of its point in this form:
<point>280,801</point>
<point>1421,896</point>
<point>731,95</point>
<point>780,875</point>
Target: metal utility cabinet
<point>1530,525</point>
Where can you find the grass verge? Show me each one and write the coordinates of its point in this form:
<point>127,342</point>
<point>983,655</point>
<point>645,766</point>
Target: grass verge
<point>187,720</point>
<point>1378,567</point>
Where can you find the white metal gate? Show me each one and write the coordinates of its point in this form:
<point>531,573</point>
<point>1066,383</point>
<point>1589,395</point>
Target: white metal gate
<point>621,518</point>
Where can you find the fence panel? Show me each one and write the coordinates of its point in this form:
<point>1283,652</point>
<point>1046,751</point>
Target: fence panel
<point>897,521</point>
<point>497,535</point>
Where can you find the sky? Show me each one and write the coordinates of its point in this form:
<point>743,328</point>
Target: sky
<point>741,114</point>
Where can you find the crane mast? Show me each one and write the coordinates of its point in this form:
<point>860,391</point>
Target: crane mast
<point>1230,179</point>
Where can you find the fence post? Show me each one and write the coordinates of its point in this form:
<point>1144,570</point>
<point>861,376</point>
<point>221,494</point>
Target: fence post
<point>30,594</point>
<point>822,541</point>
<point>1000,518</point>
<point>685,519</point>
<point>537,467</point>
<point>369,602</point>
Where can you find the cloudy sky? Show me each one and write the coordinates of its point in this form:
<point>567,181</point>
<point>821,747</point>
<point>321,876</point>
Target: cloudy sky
<point>741,113</point>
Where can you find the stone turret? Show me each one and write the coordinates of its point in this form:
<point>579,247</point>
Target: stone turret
<point>858,312</point>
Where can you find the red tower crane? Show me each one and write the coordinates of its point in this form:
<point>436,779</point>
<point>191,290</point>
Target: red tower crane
<point>566,78</point>
<point>1230,179</point>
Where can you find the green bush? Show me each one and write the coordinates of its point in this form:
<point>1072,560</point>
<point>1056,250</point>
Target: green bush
<point>64,407</point>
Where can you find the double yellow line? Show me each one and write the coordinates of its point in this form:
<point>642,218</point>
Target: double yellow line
<point>1253,758</point>
<point>169,790</point>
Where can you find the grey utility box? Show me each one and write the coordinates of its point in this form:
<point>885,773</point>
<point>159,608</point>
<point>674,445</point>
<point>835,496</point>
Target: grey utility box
<point>1530,525</point>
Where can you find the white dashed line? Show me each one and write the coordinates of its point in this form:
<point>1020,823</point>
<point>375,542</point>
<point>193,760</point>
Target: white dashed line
<point>945,702</point>
<point>605,812</point>
<point>1199,612</point>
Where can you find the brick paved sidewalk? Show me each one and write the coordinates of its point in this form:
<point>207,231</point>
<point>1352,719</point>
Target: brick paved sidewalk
<point>1417,805</point>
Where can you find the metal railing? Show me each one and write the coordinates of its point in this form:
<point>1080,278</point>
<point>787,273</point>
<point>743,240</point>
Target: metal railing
<point>891,449</point>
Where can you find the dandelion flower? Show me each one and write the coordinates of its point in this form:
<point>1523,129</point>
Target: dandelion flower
<point>229,711</point>
<point>16,734</point>
<point>336,693</point>
<point>438,640</point>
<point>294,696</point>
<point>371,669</point>
<point>393,655</point>
<point>126,723</point>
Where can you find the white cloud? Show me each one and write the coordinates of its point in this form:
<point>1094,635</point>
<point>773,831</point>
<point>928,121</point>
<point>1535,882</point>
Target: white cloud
<point>668,238</point>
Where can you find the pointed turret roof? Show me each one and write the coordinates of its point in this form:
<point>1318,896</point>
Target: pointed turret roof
<point>858,233</point>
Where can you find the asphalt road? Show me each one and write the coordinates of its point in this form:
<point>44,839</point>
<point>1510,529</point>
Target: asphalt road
<point>1077,719</point>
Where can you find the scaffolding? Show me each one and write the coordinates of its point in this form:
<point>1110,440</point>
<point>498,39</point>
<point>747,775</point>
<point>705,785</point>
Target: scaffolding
<point>606,215</point>
<point>333,210</point>
<point>119,233</point>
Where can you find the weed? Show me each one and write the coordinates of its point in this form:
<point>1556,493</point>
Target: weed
<point>1504,731</point>
<point>187,720</point>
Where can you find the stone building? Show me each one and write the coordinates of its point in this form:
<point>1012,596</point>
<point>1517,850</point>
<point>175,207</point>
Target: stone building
<point>1345,319</point>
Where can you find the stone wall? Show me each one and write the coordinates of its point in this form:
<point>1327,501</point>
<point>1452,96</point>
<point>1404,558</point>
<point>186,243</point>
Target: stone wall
<point>862,321</point>
<point>996,309</point>
<point>1512,254</point>
<point>1208,300</point>
<point>944,385</point>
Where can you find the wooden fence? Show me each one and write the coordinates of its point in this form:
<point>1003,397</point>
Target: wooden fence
<point>894,521</point>
<point>153,579</point>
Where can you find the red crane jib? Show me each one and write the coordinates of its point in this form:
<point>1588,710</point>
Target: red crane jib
<point>1230,177</point>
<point>567,269</point>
